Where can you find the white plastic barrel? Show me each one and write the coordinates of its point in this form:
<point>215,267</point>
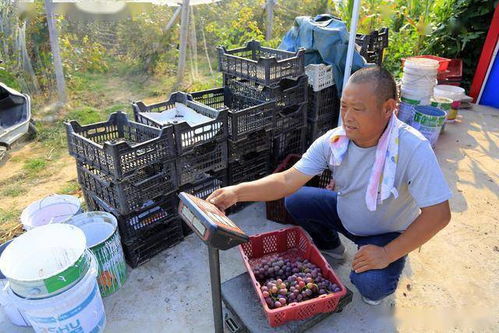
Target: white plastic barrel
<point>79,309</point>
<point>46,260</point>
<point>54,208</point>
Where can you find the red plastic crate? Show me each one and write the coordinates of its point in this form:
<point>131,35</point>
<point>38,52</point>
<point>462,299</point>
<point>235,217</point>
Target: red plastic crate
<point>454,71</point>
<point>275,210</point>
<point>443,62</point>
<point>295,242</point>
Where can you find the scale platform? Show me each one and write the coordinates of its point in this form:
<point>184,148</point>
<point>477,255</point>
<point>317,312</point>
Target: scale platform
<point>246,314</point>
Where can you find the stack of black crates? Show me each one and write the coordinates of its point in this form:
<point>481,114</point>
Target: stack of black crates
<point>270,75</point>
<point>239,132</point>
<point>324,103</point>
<point>373,45</point>
<point>128,169</point>
<point>201,149</point>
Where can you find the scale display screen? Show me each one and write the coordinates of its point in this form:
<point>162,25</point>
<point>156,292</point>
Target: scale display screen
<point>210,223</point>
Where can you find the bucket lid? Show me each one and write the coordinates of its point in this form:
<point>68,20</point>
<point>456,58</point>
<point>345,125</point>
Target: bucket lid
<point>43,252</point>
<point>97,226</point>
<point>53,208</point>
<point>422,63</point>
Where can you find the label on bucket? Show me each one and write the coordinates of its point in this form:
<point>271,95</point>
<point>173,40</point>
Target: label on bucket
<point>85,317</point>
<point>410,101</point>
<point>112,267</point>
<point>430,121</point>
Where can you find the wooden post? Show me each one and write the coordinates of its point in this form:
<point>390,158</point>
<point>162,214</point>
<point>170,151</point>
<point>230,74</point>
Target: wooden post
<point>56,53</point>
<point>173,18</point>
<point>194,42</point>
<point>4,40</point>
<point>27,65</point>
<point>184,29</point>
<point>270,17</point>
<point>206,48</point>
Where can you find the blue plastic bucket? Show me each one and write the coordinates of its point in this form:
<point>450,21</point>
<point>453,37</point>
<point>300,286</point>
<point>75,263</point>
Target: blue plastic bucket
<point>406,112</point>
<point>429,121</point>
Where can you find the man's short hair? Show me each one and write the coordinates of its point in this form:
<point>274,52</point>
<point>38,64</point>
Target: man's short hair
<point>382,82</point>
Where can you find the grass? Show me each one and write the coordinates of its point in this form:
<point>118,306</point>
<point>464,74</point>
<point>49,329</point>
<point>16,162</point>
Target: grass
<point>14,190</point>
<point>34,165</point>
<point>71,187</point>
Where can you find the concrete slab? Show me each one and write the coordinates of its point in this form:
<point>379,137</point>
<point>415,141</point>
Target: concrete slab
<point>446,286</point>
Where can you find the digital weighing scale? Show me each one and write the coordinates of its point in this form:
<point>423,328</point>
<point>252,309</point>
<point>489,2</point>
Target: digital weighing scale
<point>220,233</point>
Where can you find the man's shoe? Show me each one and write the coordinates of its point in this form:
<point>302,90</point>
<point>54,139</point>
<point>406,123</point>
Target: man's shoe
<point>370,301</point>
<point>337,253</point>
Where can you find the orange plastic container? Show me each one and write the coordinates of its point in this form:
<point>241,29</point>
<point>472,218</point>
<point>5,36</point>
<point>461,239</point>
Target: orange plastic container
<point>443,62</point>
<point>290,242</point>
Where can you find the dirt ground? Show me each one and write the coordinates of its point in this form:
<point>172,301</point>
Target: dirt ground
<point>450,285</point>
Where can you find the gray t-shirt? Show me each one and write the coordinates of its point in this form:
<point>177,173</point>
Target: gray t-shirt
<point>418,180</point>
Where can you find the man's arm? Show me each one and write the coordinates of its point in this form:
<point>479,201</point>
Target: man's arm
<point>272,187</point>
<point>431,220</point>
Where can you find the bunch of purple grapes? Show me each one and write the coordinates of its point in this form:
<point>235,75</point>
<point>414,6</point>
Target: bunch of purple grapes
<point>284,281</point>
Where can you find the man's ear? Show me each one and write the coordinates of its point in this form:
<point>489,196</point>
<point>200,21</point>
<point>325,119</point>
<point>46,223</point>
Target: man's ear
<point>389,107</point>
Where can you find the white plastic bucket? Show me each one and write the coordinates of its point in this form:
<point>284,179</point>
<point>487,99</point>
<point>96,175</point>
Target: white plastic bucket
<point>46,260</point>
<point>103,239</point>
<point>15,316</point>
<point>420,76</point>
<point>448,91</point>
<point>54,208</point>
<point>79,309</point>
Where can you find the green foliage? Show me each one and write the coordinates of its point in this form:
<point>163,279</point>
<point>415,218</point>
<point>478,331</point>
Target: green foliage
<point>80,54</point>
<point>9,79</point>
<point>461,31</point>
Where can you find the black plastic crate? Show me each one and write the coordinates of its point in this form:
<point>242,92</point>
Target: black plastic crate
<point>246,114</point>
<point>275,210</point>
<point>291,118</point>
<point>206,185</point>
<point>373,45</point>
<point>210,157</point>
<point>288,92</point>
<point>250,167</point>
<point>323,104</point>
<point>320,127</point>
<point>126,196</point>
<point>119,147</point>
<point>255,142</point>
<point>202,189</point>
<point>156,240</point>
<point>289,142</point>
<point>260,64</point>
<point>137,225</point>
<point>186,136</point>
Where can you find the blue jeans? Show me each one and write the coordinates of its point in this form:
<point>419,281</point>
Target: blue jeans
<point>314,209</point>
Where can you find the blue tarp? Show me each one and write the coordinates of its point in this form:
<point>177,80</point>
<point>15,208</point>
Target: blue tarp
<point>325,39</point>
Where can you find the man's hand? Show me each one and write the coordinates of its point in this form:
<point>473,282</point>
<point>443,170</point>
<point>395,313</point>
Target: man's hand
<point>370,257</point>
<point>224,197</point>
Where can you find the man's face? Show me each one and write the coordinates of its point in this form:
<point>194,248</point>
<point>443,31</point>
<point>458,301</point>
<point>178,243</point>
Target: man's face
<point>364,117</point>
